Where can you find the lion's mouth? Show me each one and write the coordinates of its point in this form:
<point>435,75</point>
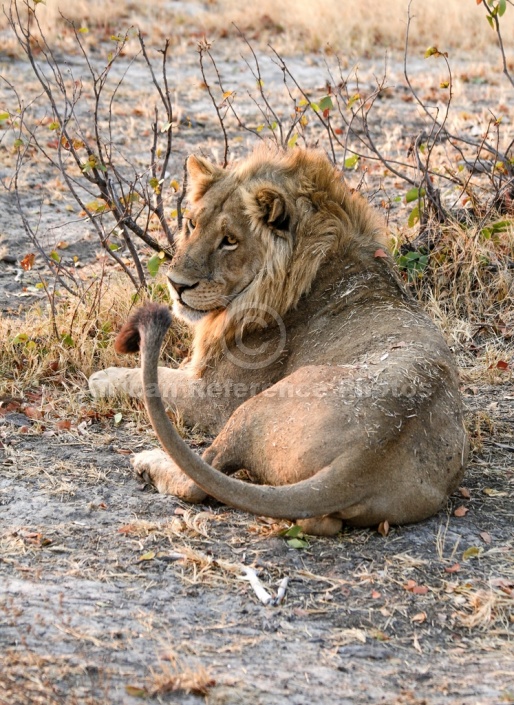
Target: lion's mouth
<point>192,314</point>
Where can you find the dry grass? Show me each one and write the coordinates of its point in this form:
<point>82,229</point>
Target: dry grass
<point>102,18</point>
<point>291,25</point>
<point>61,349</point>
<point>468,289</point>
<point>345,25</point>
<point>180,678</point>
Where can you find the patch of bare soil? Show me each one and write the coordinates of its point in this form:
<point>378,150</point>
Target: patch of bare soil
<point>110,593</point>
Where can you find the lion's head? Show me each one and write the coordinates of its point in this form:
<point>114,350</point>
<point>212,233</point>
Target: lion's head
<point>255,237</point>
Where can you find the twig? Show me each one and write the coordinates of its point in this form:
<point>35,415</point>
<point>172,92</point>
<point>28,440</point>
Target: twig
<point>203,48</point>
<point>262,594</point>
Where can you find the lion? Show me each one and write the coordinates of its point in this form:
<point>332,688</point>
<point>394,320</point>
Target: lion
<point>321,376</point>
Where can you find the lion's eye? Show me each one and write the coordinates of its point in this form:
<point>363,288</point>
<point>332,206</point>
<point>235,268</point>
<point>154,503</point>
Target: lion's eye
<point>228,243</point>
<point>191,225</point>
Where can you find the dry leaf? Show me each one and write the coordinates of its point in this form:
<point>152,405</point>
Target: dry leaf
<point>420,617</point>
<point>412,586</point>
<point>33,412</point>
<point>28,261</point>
<point>147,556</point>
<point>464,492</point>
<point>375,594</point>
<point>491,492</point>
<point>500,365</point>
<point>383,528</point>
<point>63,425</point>
<point>486,537</point>
<point>461,511</point>
<point>452,568</point>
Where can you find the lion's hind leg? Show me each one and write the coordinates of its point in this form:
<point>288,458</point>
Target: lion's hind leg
<point>157,468</point>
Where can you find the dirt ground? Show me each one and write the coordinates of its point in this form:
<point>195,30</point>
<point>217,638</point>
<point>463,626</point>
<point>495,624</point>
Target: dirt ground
<point>111,593</point>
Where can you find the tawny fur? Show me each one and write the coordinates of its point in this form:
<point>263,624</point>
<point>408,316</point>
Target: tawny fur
<point>320,374</point>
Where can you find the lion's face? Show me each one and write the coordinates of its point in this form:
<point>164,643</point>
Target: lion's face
<point>229,236</point>
<point>216,259</point>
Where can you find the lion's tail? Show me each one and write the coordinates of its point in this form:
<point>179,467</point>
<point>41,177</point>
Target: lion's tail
<point>313,497</point>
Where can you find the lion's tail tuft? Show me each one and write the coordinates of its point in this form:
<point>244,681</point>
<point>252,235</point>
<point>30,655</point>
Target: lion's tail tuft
<point>156,316</point>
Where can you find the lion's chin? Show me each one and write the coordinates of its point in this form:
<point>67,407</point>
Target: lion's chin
<point>187,314</point>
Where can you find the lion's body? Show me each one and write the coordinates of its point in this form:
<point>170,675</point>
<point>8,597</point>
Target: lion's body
<point>309,357</point>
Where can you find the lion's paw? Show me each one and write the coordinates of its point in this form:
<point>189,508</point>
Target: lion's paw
<point>321,526</point>
<point>157,468</point>
<point>114,381</point>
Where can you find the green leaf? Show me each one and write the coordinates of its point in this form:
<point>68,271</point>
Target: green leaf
<point>502,6</point>
<point>147,556</point>
<point>414,194</point>
<point>136,692</point>
<point>293,532</point>
<point>4,116</point>
<point>153,265</point>
<point>472,552</point>
<point>54,125</point>
<point>431,51</point>
<point>315,107</point>
<point>20,338</point>
<point>326,103</point>
<point>294,139</point>
<point>298,543</point>
<point>351,162</point>
<point>490,20</point>
<point>83,30</point>
<point>55,256</point>
<point>413,217</point>
<point>67,341</point>
<point>353,100</point>
<point>18,143</point>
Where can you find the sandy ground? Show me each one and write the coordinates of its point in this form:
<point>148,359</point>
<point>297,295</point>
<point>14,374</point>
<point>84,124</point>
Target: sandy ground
<point>112,594</point>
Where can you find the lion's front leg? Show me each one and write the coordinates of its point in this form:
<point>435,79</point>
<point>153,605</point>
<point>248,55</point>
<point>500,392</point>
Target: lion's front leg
<point>115,381</point>
<point>156,467</point>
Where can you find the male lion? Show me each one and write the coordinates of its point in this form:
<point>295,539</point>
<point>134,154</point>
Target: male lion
<point>323,378</point>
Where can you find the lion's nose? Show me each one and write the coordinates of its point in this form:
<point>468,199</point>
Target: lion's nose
<point>179,286</point>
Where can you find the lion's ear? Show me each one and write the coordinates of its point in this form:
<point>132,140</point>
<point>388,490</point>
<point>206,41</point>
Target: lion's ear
<point>272,208</point>
<point>201,173</point>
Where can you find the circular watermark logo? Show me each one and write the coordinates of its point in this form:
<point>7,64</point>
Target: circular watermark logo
<point>260,336</point>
